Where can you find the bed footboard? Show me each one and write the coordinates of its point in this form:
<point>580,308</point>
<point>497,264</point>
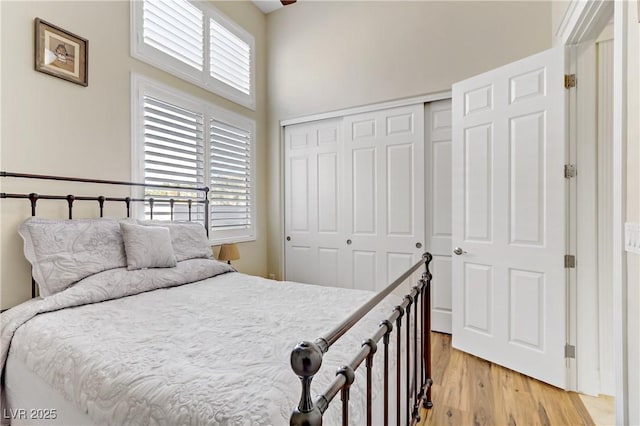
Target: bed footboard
<point>306,358</point>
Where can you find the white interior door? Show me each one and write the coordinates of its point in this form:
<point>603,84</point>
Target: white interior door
<point>312,203</point>
<point>509,195</point>
<point>383,194</point>
<point>438,191</point>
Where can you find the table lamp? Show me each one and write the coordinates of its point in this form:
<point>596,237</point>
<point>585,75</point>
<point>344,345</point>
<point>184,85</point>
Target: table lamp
<point>229,252</point>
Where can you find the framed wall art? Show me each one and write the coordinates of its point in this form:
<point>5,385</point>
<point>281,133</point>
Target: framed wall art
<point>60,53</point>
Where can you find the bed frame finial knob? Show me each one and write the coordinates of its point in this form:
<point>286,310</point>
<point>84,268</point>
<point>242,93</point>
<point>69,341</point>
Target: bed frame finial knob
<point>306,360</point>
<point>311,418</point>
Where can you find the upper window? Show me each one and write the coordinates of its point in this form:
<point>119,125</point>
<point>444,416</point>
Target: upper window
<point>195,42</point>
<point>184,141</point>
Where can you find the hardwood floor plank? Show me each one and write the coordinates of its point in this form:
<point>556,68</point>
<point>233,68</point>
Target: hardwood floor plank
<point>470,391</point>
<point>581,409</point>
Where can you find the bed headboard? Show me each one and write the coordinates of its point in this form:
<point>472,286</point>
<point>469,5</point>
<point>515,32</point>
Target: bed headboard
<point>170,201</point>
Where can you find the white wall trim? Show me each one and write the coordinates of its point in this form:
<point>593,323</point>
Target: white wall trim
<point>605,209</point>
<point>585,142</point>
<point>583,21</point>
<point>619,209</point>
<point>421,99</point>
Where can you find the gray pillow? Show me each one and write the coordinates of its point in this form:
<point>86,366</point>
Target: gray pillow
<point>189,239</point>
<point>147,246</point>
<point>62,252</point>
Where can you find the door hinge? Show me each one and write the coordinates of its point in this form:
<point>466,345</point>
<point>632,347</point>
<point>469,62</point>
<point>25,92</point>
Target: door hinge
<point>570,171</point>
<point>569,351</point>
<point>569,81</point>
<point>569,261</point>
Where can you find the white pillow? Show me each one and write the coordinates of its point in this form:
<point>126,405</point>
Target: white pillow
<point>62,252</point>
<point>189,239</point>
<point>147,246</point>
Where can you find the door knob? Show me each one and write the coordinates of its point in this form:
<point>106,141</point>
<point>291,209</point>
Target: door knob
<point>459,251</point>
<point>288,238</point>
<point>348,242</point>
<point>418,245</point>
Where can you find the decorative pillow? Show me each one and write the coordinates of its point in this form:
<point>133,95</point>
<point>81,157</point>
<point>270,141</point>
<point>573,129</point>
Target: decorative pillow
<point>63,252</point>
<point>147,246</point>
<point>189,239</point>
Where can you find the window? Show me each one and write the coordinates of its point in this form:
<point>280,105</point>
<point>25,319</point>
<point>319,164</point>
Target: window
<point>184,141</point>
<point>195,42</point>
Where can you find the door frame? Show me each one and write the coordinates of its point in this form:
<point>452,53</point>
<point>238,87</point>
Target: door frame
<point>582,23</point>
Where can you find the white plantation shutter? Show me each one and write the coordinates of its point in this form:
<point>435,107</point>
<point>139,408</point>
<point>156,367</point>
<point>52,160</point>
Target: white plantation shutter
<point>170,35</point>
<point>175,27</point>
<point>230,58</point>
<point>173,155</point>
<point>184,141</point>
<point>231,186</point>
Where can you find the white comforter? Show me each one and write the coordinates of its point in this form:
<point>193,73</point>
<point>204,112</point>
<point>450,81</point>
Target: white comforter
<point>213,352</point>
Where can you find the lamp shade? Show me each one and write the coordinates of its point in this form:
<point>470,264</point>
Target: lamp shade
<point>229,252</point>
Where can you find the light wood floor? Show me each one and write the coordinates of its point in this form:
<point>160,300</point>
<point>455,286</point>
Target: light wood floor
<point>470,391</point>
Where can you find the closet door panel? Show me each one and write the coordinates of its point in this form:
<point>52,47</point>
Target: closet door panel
<point>383,193</point>
<point>438,190</point>
<point>313,245</point>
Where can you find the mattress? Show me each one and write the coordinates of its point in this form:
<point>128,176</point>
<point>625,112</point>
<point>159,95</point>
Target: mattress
<point>31,401</point>
<point>211,352</point>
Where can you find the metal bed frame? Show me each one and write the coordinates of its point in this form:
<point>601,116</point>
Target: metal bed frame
<point>306,357</point>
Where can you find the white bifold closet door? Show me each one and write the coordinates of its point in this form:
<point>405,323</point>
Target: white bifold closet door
<point>438,193</point>
<point>383,194</point>
<point>354,198</point>
<point>314,234</point>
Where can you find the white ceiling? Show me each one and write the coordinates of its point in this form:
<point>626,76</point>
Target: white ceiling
<point>268,6</point>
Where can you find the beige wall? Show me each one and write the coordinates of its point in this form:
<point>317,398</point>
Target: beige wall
<point>51,126</point>
<point>558,9</point>
<point>325,56</point>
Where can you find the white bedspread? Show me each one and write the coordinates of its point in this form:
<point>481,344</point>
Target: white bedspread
<point>214,352</point>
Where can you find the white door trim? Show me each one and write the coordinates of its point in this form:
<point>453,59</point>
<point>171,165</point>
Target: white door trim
<point>583,374</point>
<point>421,99</point>
<point>604,48</point>
<point>619,209</point>
<point>582,22</point>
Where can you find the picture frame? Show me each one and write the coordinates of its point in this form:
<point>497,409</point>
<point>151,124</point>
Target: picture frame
<point>61,53</point>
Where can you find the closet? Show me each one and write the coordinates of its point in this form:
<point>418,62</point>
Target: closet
<point>359,190</point>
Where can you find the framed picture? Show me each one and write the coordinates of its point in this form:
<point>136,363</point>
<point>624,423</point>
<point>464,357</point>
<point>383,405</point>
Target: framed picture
<point>61,53</point>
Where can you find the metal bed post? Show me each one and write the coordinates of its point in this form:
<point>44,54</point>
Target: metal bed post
<point>101,204</point>
<point>417,391</point>
<point>70,200</point>
<point>385,341</point>
<point>373,348</point>
<point>400,312</point>
<point>349,375</point>
<point>408,357</point>
<point>207,219</point>
<point>426,331</point>
<point>33,198</point>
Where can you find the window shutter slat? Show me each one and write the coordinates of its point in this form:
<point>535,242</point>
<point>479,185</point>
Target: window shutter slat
<point>230,58</point>
<point>173,155</point>
<point>230,177</point>
<point>165,147</point>
<point>175,28</point>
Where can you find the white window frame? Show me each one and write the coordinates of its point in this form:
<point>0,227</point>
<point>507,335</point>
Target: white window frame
<point>152,56</point>
<point>142,86</point>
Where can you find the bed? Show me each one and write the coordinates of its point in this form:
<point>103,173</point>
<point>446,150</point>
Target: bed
<point>137,324</point>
